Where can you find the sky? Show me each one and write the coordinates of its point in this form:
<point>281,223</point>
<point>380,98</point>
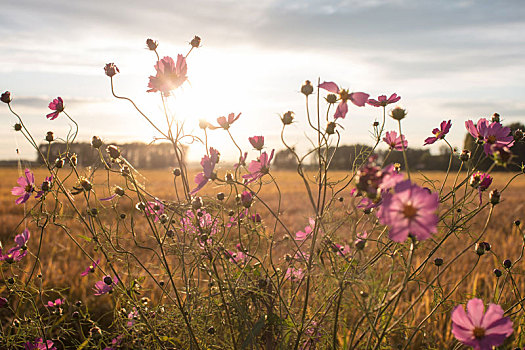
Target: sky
<point>457,60</point>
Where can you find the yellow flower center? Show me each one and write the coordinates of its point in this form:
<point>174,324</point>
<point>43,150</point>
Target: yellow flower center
<point>491,139</point>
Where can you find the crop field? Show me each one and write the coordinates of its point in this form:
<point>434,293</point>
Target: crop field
<point>61,260</point>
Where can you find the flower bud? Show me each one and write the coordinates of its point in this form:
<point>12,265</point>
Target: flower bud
<point>494,197</point>
<point>507,263</point>
<point>376,124</point>
<point>398,113</point>
<point>331,98</point>
<point>465,155</point>
<point>93,212</point>
<point>438,261</point>
<point>73,159</point>
<point>497,273</point>
<point>307,88</point>
<point>246,199</point>
<point>119,191</point>
<point>196,203</point>
<point>287,118</point>
<point>49,136</point>
<point>203,124</point>
<point>487,245</point>
<point>59,163</point>
<point>518,135</point>
<point>45,186</point>
<point>6,97</point>
<point>229,178</point>
<point>108,280</point>
<point>18,127</point>
<point>495,118</point>
<point>220,196</point>
<point>480,249</point>
<point>114,151</point>
<point>152,44</point>
<point>85,184</point>
<point>96,142</point>
<point>111,69</point>
<point>363,294</point>
<point>517,223</point>
<point>330,128</point>
<point>176,172</point>
<point>195,42</point>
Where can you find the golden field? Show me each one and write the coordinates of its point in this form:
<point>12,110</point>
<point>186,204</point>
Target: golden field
<point>62,261</point>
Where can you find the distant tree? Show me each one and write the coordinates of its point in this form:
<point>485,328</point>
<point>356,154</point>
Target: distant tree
<point>284,159</point>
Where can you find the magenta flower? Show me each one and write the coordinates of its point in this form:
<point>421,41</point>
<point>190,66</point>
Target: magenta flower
<point>45,187</point>
<point>57,105</point>
<point>26,188</point>
<point>357,98</point>
<point>302,235</point>
<point>224,122</point>
<point>39,344</point>
<point>257,142</point>
<point>294,274</point>
<point>90,268</point>
<point>3,302</point>
<point>260,167</point>
<point>360,242</point>
<point>13,255</point>
<point>490,133</point>
<point>204,227</point>
<point>440,133</point>
<point>382,101</point>
<point>132,317</point>
<point>238,257</point>
<point>372,180</point>
<point>342,250</point>
<point>246,198</point>
<point>170,75</point>
<point>115,342</point>
<point>481,181</point>
<point>242,161</point>
<point>409,210</point>
<point>396,143</point>
<point>479,329</point>
<point>56,303</point>
<point>208,164</point>
<point>105,286</point>
<point>21,239</point>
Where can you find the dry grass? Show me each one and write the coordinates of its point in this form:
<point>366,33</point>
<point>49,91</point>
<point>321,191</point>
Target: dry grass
<point>62,261</point>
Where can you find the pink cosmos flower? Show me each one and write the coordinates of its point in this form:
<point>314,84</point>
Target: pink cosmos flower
<point>26,188</point>
<point>242,161</point>
<point>342,250</point>
<point>409,210</point>
<point>170,75</point>
<point>238,257</point>
<point>56,303</point>
<point>257,142</point>
<point>39,344</point>
<point>357,98</point>
<point>45,187</point>
<point>132,317</point>
<point>152,208</point>
<point>395,142</point>
<point>246,198</point>
<point>382,101</point>
<point>490,133</point>
<point>440,133</point>
<point>260,167</point>
<point>204,227</point>
<point>481,181</point>
<point>302,235</point>
<point>479,329</point>
<point>13,255</point>
<point>372,180</point>
<point>208,164</point>
<point>57,105</point>
<point>21,239</point>
<point>90,268</point>
<point>115,342</point>
<point>360,242</point>
<point>294,274</point>
<point>3,302</point>
<point>224,122</point>
<point>105,286</point>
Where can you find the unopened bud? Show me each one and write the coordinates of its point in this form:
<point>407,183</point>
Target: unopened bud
<point>152,44</point>
<point>220,196</point>
<point>438,262</point>
<point>465,155</point>
<point>59,163</point>
<point>203,124</point>
<point>398,113</point>
<point>330,128</point>
<point>331,98</point>
<point>196,203</point>
<point>494,197</point>
<point>49,136</point>
<point>176,172</point>
<point>287,118</point>
<point>495,118</point>
<point>6,97</point>
<point>307,88</point>
<point>110,69</point>
<point>18,127</point>
<point>119,191</point>
<point>497,273</point>
<point>518,135</point>
<point>114,151</point>
<point>195,42</point>
<point>480,249</point>
<point>507,263</point>
<point>96,142</point>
